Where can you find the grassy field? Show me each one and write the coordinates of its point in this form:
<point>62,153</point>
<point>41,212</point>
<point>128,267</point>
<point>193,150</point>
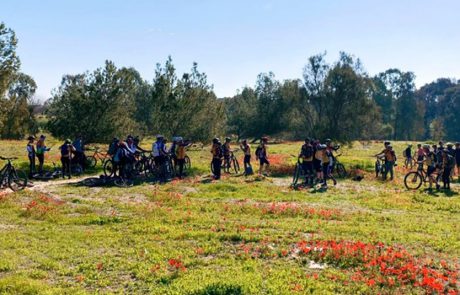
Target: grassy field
<point>236,236</point>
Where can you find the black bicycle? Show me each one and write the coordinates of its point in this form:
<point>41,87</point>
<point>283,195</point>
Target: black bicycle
<point>338,168</point>
<point>379,166</point>
<point>414,179</point>
<point>11,177</point>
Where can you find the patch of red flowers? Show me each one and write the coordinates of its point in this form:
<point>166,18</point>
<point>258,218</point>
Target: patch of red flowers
<point>176,264</point>
<point>383,266</point>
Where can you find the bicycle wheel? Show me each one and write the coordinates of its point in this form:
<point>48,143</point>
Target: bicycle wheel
<point>377,169</point>
<point>188,163</point>
<point>296,176</point>
<point>17,180</point>
<point>91,162</point>
<point>236,165</point>
<point>109,168</point>
<point>413,180</point>
<point>123,182</point>
<point>340,170</point>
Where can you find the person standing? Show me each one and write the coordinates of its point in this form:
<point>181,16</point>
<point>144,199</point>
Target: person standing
<point>180,155</point>
<point>262,154</point>
<point>79,151</point>
<point>448,163</point>
<point>307,153</point>
<point>31,155</point>
<point>40,150</point>
<point>390,160</point>
<point>246,148</point>
<point>159,156</point>
<point>66,158</point>
<point>216,152</point>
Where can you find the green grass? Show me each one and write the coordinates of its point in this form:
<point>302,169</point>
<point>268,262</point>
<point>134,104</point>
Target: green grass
<point>226,237</point>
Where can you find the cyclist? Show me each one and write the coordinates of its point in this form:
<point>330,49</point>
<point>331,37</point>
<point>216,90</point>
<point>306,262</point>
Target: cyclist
<point>457,158</point>
<point>307,153</point>
<point>66,157</point>
<point>226,149</point>
<point>216,151</point>
<point>408,155</point>
<point>318,148</point>
<point>40,150</point>
<point>137,142</point>
<point>114,153</point>
<point>172,150</point>
<point>430,162</point>
<point>31,155</point>
<point>262,155</point>
<point>327,161</point>
<point>79,152</point>
<point>159,155</point>
<point>448,162</point>
<point>246,148</point>
<point>390,160</point>
<point>179,155</point>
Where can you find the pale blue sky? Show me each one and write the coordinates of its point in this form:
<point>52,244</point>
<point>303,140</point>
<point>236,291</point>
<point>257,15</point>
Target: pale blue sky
<point>233,41</point>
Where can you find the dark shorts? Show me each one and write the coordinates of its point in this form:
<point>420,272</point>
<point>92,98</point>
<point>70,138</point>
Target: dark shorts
<point>264,161</point>
<point>458,162</point>
<point>247,159</point>
<point>317,165</point>
<point>307,167</point>
<point>430,170</point>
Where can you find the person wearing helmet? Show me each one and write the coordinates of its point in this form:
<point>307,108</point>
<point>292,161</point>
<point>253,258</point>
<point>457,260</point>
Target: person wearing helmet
<point>40,150</point>
<point>327,161</point>
<point>307,153</point>
<point>79,154</point>
<point>159,156</point>
<point>66,157</point>
<point>246,148</point>
<point>262,154</point>
<point>31,155</point>
<point>216,151</point>
<point>448,162</point>
<point>430,162</point>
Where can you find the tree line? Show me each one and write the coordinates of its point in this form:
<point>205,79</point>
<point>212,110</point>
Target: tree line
<point>337,100</point>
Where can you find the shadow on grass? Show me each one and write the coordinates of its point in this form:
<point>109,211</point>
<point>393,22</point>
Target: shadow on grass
<point>441,193</point>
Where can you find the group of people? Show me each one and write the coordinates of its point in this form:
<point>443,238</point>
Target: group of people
<point>318,161</point>
<point>441,157</point>
<point>71,152</point>
<point>221,154</point>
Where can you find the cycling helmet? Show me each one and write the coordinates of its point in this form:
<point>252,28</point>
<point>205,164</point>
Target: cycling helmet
<point>264,138</point>
<point>227,139</point>
<point>42,136</point>
<point>245,141</point>
<point>215,140</point>
<point>68,141</point>
<point>159,136</point>
<point>387,143</point>
<point>31,137</point>
<point>426,146</point>
<point>129,137</point>
<point>449,144</point>
<point>328,140</point>
<point>307,140</point>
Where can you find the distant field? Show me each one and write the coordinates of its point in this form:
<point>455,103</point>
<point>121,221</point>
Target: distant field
<point>235,236</point>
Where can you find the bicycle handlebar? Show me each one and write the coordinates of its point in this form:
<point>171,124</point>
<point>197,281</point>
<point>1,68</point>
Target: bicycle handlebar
<point>8,159</point>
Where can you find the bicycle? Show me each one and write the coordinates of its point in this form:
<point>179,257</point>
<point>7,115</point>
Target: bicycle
<point>11,177</point>
<point>380,168</point>
<point>338,168</point>
<point>232,163</point>
<point>91,161</point>
<point>414,179</point>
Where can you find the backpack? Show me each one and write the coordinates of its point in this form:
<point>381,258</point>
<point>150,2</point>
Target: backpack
<point>258,151</point>
<point>112,149</point>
